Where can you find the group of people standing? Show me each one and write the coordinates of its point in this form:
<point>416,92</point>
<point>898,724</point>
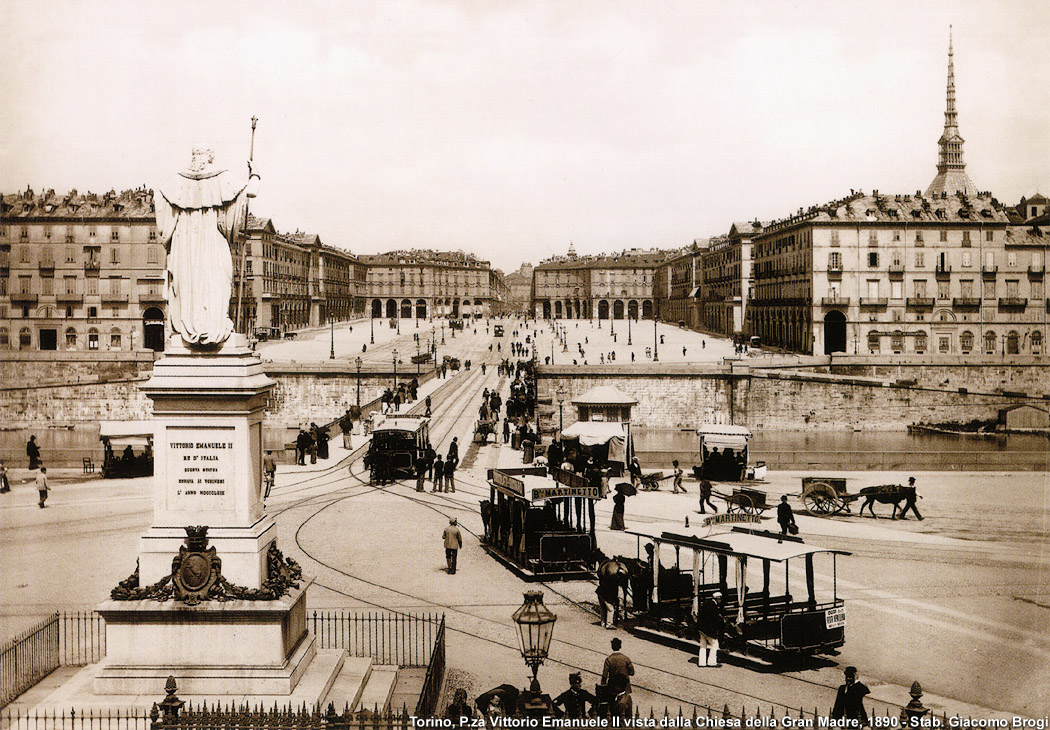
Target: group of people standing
<point>312,441</point>
<point>441,472</point>
<point>393,398</point>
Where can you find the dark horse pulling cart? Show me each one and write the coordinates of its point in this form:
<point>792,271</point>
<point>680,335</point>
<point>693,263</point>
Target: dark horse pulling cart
<point>825,496</point>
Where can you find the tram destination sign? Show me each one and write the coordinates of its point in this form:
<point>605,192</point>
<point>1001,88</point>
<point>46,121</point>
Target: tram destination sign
<point>569,479</point>
<point>508,484</point>
<point>734,519</point>
<point>559,492</point>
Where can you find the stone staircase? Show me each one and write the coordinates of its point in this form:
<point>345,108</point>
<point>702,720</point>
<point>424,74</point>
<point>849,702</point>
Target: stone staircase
<point>362,685</point>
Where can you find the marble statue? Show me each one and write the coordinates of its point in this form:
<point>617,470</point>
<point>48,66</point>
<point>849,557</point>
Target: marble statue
<point>198,214</point>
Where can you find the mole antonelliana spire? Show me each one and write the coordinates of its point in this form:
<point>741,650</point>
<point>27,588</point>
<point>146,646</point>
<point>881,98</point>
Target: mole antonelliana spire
<point>951,169</point>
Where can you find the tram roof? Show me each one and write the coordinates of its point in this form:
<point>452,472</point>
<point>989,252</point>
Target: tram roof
<point>401,423</point>
<point>734,543</point>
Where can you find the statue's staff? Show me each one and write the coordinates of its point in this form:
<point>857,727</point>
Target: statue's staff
<point>244,241</point>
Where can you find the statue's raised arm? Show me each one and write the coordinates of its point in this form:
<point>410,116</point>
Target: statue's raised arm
<point>199,212</point>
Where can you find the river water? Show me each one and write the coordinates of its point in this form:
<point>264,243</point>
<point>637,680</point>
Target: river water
<point>863,450</point>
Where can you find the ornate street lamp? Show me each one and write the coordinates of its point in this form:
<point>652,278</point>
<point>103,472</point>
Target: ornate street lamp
<point>535,624</point>
<point>372,329</point>
<point>331,323</point>
<point>560,392</point>
<point>656,342</point>
<point>395,369</point>
<point>357,362</point>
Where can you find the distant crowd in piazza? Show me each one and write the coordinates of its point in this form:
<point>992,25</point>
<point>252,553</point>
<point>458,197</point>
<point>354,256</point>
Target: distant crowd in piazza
<point>950,271</point>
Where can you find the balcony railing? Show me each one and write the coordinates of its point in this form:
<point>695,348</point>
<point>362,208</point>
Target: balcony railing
<point>989,272</point>
<point>834,301</point>
<point>834,272</point>
<point>151,297</point>
<point>69,297</point>
<point>1013,302</point>
<point>1034,272</point>
<point>896,271</point>
<point>92,266</point>
<point>920,302</point>
<point>46,265</point>
<point>966,302</point>
<point>117,298</point>
<point>943,272</point>
<point>874,301</point>
<point>24,297</point>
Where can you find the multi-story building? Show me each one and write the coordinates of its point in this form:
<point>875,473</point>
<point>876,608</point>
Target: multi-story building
<point>617,286</point>
<point>519,288</point>
<point>678,286</point>
<point>277,278</point>
<point>426,284</point>
<point>727,280</point>
<point>873,274</point>
<point>81,272</point>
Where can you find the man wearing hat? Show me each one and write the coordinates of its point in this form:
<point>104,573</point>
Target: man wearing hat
<point>910,497</point>
<point>453,542</point>
<point>710,626</point>
<point>849,702</point>
<point>575,699</point>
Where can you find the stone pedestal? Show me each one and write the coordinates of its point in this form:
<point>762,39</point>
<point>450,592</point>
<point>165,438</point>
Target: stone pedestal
<point>212,648</point>
<point>219,609</point>
<point>208,409</point>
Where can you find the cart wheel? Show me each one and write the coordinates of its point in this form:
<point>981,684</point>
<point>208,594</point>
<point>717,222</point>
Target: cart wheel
<point>821,499</point>
<point>745,504</point>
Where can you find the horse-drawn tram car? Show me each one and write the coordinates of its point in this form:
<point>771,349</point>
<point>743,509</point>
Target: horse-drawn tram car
<point>398,442</point>
<point>540,523</point>
<point>783,618</point>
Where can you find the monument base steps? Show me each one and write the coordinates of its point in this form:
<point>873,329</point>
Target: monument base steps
<point>378,690</point>
<point>313,687</point>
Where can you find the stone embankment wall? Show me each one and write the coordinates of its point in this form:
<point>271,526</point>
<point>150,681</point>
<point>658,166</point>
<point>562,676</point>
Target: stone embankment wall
<point>791,399</point>
<point>61,401</point>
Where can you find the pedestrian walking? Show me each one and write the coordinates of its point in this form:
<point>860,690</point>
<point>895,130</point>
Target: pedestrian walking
<point>269,472</point>
<point>677,484</point>
<point>705,497</point>
<point>617,514</point>
<point>786,518</point>
<point>33,452</point>
<point>710,626</point>
<point>5,483</point>
<point>453,450</point>
<point>321,436</point>
<point>450,475</point>
<point>453,542</point>
<point>421,471</point>
<point>302,446</point>
<point>849,701</point>
<point>41,486</point>
<point>439,474</point>
<point>346,425</point>
<point>429,410</point>
<point>506,430</point>
<point>635,470</point>
<point>910,498</point>
<point>311,445</point>
<point>397,402</point>
<point>616,677</point>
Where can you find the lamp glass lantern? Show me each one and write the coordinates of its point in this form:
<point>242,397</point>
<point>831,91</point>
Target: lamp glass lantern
<point>535,624</point>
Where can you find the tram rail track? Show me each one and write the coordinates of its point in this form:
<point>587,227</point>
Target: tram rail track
<point>448,423</point>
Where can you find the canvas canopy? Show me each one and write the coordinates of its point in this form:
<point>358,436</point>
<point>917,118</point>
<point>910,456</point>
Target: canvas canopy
<point>595,433</point>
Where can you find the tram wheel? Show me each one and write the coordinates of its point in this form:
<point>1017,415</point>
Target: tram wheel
<point>821,499</point>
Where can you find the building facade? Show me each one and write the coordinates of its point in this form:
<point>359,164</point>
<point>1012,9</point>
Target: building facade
<point>422,284</point>
<point>81,272</point>
<point>602,287</point>
<point>678,289</point>
<point>873,274</point>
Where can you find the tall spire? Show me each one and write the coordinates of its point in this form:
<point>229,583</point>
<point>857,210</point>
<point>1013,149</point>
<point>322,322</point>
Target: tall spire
<point>951,169</point>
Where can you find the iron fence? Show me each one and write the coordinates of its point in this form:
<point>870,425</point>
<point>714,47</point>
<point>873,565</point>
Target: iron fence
<point>82,638</point>
<point>246,718</point>
<point>428,697</point>
<point>28,658</point>
<point>402,639</point>
<point>96,719</point>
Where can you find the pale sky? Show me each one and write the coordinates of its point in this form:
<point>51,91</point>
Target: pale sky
<point>509,129</point>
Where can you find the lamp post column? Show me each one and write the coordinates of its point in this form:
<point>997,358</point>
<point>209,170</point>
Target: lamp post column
<point>395,369</point>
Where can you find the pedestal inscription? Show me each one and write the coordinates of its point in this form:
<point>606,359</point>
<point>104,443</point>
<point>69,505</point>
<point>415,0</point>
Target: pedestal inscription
<point>202,459</point>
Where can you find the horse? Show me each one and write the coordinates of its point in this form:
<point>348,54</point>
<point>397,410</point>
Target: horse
<point>613,577</point>
<point>886,494</point>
